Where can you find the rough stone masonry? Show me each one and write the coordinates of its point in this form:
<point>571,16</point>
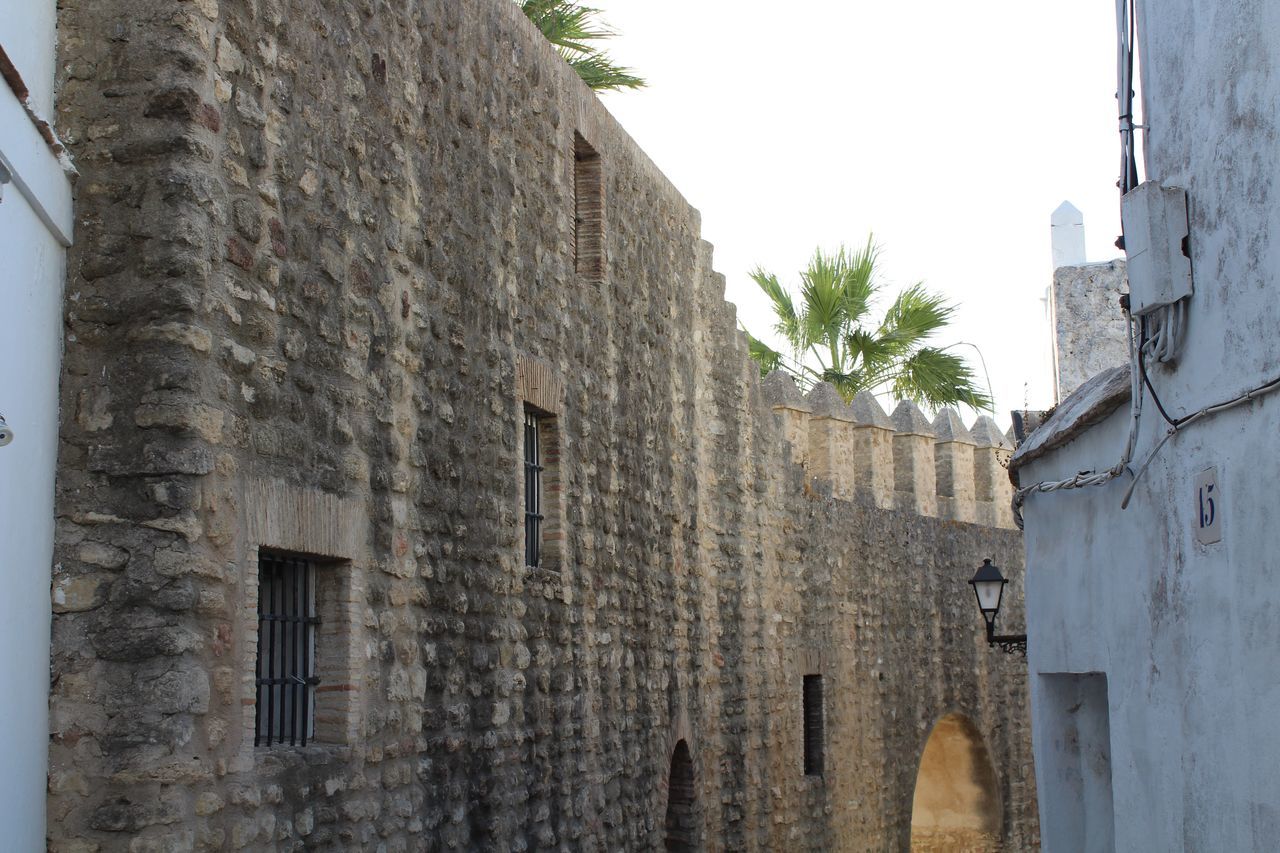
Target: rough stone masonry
<point>1089,330</point>
<point>329,252</point>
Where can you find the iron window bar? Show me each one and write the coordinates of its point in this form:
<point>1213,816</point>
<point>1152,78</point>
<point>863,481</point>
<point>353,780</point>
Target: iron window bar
<point>285,677</point>
<point>533,469</point>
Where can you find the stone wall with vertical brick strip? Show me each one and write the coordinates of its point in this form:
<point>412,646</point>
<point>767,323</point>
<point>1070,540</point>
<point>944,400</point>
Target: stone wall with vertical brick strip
<point>325,258</point>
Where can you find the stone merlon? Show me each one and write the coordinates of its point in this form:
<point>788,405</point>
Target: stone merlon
<point>901,462</point>
<point>866,409</point>
<point>909,420</point>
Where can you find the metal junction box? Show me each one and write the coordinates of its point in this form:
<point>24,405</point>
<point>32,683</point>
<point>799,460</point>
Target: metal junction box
<point>1155,230</point>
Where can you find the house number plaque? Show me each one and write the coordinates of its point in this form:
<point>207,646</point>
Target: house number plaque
<point>1208,507</point>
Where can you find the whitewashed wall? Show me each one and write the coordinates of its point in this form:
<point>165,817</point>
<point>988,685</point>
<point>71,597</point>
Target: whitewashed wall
<point>35,225</point>
<point>27,30</point>
<point>1187,635</point>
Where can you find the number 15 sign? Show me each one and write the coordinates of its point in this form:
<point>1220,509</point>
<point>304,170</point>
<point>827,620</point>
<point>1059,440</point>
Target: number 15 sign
<point>1208,507</point>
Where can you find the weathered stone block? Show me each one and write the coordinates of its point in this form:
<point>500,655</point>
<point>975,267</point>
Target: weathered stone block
<point>79,593</point>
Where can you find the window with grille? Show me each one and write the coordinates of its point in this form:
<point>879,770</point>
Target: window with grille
<point>813,725</point>
<point>588,213</point>
<point>286,671</point>
<point>533,468</point>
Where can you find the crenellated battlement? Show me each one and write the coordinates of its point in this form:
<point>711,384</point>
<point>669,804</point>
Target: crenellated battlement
<point>938,468</point>
<point>500,462</point>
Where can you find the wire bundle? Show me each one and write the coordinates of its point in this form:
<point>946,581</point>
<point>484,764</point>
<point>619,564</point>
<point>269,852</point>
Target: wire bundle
<point>1124,94</point>
<point>1139,346</point>
<point>1094,477</point>
<point>1162,331</point>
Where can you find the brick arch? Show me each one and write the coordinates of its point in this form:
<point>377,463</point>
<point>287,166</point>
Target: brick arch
<point>956,803</point>
<point>680,826</point>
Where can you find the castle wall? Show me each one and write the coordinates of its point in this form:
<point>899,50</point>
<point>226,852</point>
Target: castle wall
<point>328,259</point>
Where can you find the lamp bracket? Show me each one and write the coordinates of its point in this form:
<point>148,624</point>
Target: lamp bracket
<point>1009,643</point>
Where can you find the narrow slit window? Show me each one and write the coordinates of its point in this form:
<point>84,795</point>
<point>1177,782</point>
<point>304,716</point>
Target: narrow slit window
<point>533,468</point>
<point>588,213</point>
<point>286,680</point>
<point>813,725</point>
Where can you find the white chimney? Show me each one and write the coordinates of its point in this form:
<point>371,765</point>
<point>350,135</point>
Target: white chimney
<point>1066,227</point>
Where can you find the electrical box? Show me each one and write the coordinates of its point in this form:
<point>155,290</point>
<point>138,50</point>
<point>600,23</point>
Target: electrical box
<point>1155,239</point>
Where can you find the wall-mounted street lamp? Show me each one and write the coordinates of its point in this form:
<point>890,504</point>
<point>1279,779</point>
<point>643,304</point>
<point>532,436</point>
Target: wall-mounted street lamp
<point>988,585</point>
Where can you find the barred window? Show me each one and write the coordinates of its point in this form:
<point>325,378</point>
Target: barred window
<point>286,679</point>
<point>533,468</point>
<point>588,210</point>
<point>813,725</point>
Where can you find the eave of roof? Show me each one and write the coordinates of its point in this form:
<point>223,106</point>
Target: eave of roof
<point>1091,403</point>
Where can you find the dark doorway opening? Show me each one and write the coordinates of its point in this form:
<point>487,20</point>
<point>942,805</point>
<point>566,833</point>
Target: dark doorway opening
<point>681,825</point>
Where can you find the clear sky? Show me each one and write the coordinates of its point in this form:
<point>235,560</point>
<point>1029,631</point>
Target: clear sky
<point>951,130</point>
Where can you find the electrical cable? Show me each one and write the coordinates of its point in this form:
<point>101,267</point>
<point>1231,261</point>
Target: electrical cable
<point>1179,311</point>
<point>1146,380</point>
<point>1184,422</point>
<point>1095,478</point>
<point>1090,478</point>
<point>1162,332</point>
<point>1125,18</point>
<point>1157,334</point>
<point>1125,39</point>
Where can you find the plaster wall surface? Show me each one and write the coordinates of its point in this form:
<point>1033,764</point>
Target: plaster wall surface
<point>35,196</point>
<point>1184,632</point>
<point>27,37</point>
<point>30,345</point>
<point>326,262</point>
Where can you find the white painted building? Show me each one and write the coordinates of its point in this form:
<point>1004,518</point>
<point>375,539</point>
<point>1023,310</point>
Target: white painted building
<point>35,229</point>
<point>1154,630</point>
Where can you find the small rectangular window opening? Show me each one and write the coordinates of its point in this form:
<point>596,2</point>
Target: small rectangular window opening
<point>813,725</point>
<point>284,711</point>
<point>588,213</point>
<point>533,468</point>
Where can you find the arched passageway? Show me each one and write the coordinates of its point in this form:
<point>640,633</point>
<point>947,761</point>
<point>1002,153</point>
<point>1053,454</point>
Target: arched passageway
<point>681,827</point>
<point>956,807</point>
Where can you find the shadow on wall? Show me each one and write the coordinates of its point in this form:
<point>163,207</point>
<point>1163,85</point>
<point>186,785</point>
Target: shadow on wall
<point>956,807</point>
<point>680,824</point>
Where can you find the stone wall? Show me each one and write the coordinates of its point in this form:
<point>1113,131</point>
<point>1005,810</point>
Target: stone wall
<point>326,258</point>
<point>1089,332</point>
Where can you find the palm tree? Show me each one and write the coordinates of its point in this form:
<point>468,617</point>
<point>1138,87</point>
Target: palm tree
<point>572,28</point>
<point>830,330</point>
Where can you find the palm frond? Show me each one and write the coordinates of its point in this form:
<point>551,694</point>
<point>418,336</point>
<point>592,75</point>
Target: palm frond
<point>600,72</point>
<point>825,306</point>
<point>766,357</point>
<point>826,327</point>
<point>938,378</point>
<point>572,28</point>
<point>913,317</point>
<point>566,24</point>
<point>848,384</point>
<point>870,352</point>
<point>788,325</point>
<point>860,281</point>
